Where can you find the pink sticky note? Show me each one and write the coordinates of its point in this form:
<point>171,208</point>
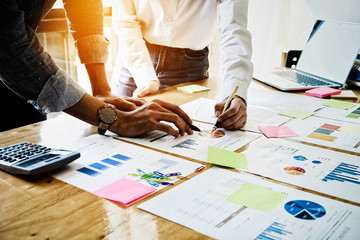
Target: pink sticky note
<point>322,92</point>
<point>277,132</point>
<point>125,191</point>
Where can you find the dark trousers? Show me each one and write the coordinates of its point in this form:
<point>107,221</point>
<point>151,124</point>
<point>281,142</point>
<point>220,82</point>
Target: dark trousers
<point>172,66</point>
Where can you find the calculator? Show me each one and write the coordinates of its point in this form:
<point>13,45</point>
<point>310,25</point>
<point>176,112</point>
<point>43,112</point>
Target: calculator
<point>29,158</point>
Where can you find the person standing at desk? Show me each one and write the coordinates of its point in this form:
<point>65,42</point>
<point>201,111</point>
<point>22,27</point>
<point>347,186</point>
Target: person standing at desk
<point>164,43</point>
<point>31,73</point>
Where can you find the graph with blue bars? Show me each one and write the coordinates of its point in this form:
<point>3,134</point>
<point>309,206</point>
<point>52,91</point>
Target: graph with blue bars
<point>97,168</point>
<point>186,144</point>
<point>274,231</point>
<point>344,172</point>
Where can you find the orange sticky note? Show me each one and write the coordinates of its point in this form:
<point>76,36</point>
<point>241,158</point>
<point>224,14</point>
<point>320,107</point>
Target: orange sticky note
<point>125,191</point>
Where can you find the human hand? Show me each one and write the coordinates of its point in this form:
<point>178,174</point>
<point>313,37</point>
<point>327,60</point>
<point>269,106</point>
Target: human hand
<point>149,117</point>
<point>234,117</point>
<point>122,103</point>
<point>150,88</point>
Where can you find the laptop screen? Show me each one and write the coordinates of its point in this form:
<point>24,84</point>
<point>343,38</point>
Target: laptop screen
<point>331,51</point>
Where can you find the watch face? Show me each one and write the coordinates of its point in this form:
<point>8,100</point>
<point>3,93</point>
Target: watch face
<point>107,114</point>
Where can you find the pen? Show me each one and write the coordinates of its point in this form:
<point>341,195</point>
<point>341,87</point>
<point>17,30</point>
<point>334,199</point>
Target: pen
<point>193,127</point>
<point>227,104</point>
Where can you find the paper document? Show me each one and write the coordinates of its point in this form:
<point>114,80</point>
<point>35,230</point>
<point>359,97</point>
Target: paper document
<point>196,146</point>
<point>105,163</point>
<point>281,100</point>
<point>203,110</point>
<point>224,204</point>
<point>350,115</point>
<point>327,132</point>
<point>321,170</point>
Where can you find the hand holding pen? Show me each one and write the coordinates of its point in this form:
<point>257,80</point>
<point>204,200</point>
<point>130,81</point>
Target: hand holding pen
<point>233,112</point>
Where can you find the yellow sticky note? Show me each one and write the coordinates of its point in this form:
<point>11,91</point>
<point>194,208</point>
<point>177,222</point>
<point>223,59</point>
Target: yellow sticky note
<point>345,94</point>
<point>350,128</point>
<point>295,113</point>
<point>227,158</point>
<point>193,88</point>
<point>338,104</point>
<point>258,198</point>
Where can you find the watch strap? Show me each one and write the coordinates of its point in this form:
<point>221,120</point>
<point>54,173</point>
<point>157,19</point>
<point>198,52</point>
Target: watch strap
<point>102,128</point>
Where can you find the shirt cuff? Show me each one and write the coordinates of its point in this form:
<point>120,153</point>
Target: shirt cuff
<point>92,49</point>
<point>241,92</point>
<point>60,92</point>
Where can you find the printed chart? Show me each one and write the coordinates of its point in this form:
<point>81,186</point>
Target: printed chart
<point>274,231</point>
<point>327,132</point>
<point>196,146</point>
<point>321,170</point>
<point>104,161</point>
<point>351,115</point>
<point>306,210</point>
<point>217,203</point>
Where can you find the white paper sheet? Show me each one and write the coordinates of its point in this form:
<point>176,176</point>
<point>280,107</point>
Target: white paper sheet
<point>281,100</point>
<point>95,148</point>
<point>318,169</point>
<point>200,204</point>
<point>351,115</point>
<point>202,110</point>
<point>327,132</point>
<point>195,146</point>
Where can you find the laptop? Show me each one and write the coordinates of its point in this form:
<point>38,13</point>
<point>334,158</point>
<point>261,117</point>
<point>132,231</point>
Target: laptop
<point>330,51</point>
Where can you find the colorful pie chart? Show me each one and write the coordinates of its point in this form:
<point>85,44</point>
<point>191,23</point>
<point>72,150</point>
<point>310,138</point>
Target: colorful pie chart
<point>294,170</point>
<point>216,134</point>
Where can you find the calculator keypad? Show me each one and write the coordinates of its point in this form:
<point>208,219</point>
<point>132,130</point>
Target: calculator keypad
<point>21,151</point>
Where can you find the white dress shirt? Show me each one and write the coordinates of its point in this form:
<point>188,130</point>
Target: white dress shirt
<point>185,24</point>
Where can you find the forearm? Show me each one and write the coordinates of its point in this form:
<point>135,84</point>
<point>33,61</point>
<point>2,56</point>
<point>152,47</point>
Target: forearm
<point>86,109</point>
<point>97,75</point>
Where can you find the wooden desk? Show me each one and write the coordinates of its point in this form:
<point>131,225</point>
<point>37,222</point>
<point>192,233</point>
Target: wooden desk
<point>46,208</point>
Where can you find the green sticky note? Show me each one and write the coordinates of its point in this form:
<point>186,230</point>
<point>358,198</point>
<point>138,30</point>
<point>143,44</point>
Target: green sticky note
<point>193,88</point>
<point>355,116</point>
<point>338,104</point>
<point>227,158</point>
<point>295,113</point>
<point>258,198</point>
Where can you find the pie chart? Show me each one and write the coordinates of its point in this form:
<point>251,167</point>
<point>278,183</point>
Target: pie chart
<point>306,210</point>
<point>300,158</point>
<point>216,134</point>
<point>293,170</point>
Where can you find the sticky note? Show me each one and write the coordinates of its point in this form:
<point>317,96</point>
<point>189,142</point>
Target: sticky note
<point>295,113</point>
<point>125,191</point>
<point>350,128</point>
<point>345,94</point>
<point>227,158</point>
<point>193,88</point>
<point>277,132</point>
<point>322,92</point>
<point>338,104</point>
<point>258,198</point>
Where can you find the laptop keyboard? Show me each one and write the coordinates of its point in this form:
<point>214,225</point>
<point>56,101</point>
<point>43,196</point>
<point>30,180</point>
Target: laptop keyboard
<point>301,79</point>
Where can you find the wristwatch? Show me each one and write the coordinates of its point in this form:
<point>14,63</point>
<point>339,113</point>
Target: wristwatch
<point>107,115</point>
